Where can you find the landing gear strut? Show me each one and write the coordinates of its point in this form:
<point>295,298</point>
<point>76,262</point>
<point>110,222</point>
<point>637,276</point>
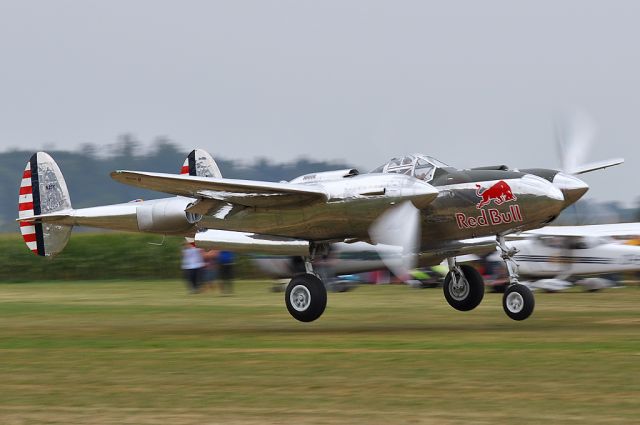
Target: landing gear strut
<point>306,295</point>
<point>518,301</point>
<point>463,286</point>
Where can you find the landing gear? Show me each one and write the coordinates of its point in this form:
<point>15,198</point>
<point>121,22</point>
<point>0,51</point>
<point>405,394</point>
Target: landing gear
<point>463,287</point>
<point>306,295</point>
<point>518,301</point>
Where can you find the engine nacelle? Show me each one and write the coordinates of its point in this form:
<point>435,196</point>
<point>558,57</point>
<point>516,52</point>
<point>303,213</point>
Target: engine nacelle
<point>166,216</point>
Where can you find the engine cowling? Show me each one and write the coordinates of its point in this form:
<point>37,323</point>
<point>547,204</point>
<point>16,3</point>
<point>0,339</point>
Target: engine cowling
<point>166,216</point>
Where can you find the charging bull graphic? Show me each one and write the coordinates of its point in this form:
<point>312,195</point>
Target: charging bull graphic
<point>499,193</point>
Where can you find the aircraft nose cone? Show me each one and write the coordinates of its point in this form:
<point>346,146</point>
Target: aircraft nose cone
<point>545,198</point>
<point>572,187</point>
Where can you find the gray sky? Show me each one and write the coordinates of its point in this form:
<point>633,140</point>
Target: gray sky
<point>470,82</point>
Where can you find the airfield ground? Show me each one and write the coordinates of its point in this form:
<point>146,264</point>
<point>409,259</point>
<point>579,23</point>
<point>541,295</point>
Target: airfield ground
<point>146,352</point>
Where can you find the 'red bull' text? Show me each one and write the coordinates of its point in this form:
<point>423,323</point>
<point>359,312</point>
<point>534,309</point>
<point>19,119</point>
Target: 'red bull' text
<point>489,217</point>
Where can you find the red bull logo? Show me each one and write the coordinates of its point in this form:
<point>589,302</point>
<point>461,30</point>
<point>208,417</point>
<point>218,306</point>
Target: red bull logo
<point>489,217</point>
<point>499,193</point>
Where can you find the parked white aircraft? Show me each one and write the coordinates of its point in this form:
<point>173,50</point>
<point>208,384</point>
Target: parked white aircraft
<point>551,258</point>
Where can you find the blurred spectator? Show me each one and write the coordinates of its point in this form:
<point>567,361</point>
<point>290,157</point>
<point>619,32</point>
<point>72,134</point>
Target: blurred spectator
<point>210,268</point>
<point>192,265</point>
<point>226,260</point>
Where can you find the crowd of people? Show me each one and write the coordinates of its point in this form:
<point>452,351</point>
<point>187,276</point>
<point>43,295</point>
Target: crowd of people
<point>203,269</point>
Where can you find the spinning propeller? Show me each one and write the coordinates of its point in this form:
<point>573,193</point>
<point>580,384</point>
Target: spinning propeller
<point>396,235</point>
<point>574,142</point>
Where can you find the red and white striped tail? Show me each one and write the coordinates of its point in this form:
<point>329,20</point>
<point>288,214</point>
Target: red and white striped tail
<point>25,209</point>
<point>200,163</point>
<point>43,191</point>
<point>185,168</point>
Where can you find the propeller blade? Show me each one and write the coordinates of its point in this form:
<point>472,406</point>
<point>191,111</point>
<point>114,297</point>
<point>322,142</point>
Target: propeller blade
<point>599,165</point>
<point>396,235</point>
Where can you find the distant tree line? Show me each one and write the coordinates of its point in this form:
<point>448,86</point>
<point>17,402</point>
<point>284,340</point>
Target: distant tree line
<point>87,169</point>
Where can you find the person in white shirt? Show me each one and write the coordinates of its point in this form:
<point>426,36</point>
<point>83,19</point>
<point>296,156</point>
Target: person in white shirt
<point>192,265</point>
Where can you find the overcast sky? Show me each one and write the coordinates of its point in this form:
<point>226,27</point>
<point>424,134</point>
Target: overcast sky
<point>469,82</point>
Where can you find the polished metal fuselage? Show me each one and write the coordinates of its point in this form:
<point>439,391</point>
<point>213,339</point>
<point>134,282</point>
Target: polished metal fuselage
<point>353,204</point>
<point>348,214</point>
<point>452,209</point>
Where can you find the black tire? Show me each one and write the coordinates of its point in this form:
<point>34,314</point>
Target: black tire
<point>305,297</point>
<point>518,302</point>
<point>470,294</point>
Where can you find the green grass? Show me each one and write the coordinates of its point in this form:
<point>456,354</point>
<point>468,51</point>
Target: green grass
<point>112,256</point>
<point>146,352</point>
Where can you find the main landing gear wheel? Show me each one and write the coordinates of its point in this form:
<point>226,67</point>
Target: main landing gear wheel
<point>518,302</point>
<point>306,297</point>
<point>463,289</point>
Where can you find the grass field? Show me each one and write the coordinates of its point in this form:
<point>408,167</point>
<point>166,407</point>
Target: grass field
<point>146,353</point>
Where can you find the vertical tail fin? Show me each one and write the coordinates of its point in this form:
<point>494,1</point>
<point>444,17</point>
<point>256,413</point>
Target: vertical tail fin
<point>43,191</point>
<point>200,163</point>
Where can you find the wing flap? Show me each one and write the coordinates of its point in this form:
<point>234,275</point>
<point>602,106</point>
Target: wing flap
<point>242,192</point>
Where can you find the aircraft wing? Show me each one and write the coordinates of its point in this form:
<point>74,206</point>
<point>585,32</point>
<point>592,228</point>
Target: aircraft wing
<point>248,193</point>
<point>612,230</point>
<point>481,246</point>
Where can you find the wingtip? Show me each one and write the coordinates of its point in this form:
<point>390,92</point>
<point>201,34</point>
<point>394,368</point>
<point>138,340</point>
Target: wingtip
<point>117,174</point>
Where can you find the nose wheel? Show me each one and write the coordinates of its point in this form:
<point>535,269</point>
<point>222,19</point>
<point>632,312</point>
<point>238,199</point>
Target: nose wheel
<point>518,301</point>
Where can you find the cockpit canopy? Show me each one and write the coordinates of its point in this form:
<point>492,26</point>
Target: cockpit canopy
<point>420,166</point>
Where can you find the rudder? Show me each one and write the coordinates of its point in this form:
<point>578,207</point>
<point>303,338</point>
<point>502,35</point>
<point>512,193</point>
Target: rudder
<point>200,163</point>
<point>43,191</point>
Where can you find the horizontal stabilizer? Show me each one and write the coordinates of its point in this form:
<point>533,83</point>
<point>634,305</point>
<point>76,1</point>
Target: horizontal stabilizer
<point>56,217</point>
<point>242,192</point>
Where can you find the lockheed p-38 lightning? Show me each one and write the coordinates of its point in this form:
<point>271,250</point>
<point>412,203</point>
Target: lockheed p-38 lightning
<point>414,209</point>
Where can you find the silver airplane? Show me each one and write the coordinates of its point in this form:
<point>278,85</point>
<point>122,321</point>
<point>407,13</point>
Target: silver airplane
<point>416,209</point>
